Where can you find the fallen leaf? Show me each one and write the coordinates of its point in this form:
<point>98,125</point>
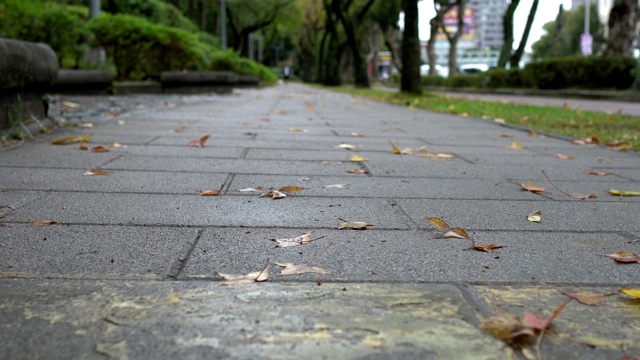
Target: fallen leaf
<point>506,136</point>
<point>298,240</point>
<point>355,225</point>
<point>121,122</point>
<point>69,104</point>
<point>84,147</point>
<point>99,149</point>
<point>295,269</point>
<point>118,145</point>
<point>85,125</point>
<point>72,139</point>
<point>486,248</point>
<point>564,157</point>
<point>599,173</point>
<point>355,134</point>
<point>437,155</point>
<point>515,145</point>
<point>536,189</point>
<point>540,323</point>
<point>456,233</point>
<point>44,222</point>
<point>505,326</point>
<point>631,292</point>
<point>173,297</point>
<point>179,130</point>
<point>211,192</point>
<point>624,192</point>
<point>533,133</point>
<point>535,216</point>
<point>95,172</point>
<point>309,106</point>
<point>347,146</point>
<point>291,189</point>
<point>357,171</point>
<point>586,141</point>
<point>395,148</point>
<point>258,189</point>
<point>198,143</point>
<point>624,257</point>
<point>264,120</point>
<point>358,158</point>
<point>335,186</point>
<point>411,151</point>
<point>623,147</point>
<point>499,121</point>
<point>587,298</point>
<point>295,129</point>
<point>240,279</point>
<point>440,224</point>
<point>582,196</point>
<point>275,194</point>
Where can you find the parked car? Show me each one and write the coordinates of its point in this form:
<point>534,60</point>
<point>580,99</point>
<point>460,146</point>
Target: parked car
<point>473,68</point>
<point>440,70</point>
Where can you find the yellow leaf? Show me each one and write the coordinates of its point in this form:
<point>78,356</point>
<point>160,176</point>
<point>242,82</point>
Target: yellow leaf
<point>456,233</point>
<point>395,148</point>
<point>438,156</point>
<point>440,224</point>
<point>624,193</point>
<point>295,129</point>
<point>358,158</point>
<point>515,145</point>
<point>290,189</point>
<point>631,292</point>
<point>72,139</point>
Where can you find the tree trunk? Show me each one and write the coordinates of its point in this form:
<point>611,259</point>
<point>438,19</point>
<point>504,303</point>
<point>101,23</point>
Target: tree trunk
<point>333,55</point>
<point>176,3</point>
<point>202,15</point>
<point>410,80</point>
<point>622,28</point>
<point>320,72</point>
<point>361,76</point>
<point>434,24</point>
<point>453,39</point>
<point>507,33</point>
<point>517,55</point>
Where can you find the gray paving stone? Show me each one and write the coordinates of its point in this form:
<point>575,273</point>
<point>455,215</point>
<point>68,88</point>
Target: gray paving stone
<point>95,251</point>
<point>68,156</point>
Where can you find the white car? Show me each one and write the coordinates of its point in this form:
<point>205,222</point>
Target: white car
<point>440,70</point>
<point>473,68</point>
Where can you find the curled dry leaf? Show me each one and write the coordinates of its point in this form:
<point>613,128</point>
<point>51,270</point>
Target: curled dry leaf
<point>118,145</point>
<point>624,192</point>
<point>295,269</point>
<point>354,225</point>
<point>358,158</point>
<point>44,222</point>
<point>241,279</point>
<point>200,142</point>
<point>212,192</point>
<point>72,139</point>
<point>291,189</point>
<point>456,233</point>
<point>536,189</point>
<point>69,104</point>
<point>587,298</point>
<point>298,240</point>
<point>624,257</point>
<point>258,189</point>
<point>564,157</point>
<point>535,216</point>
<point>347,146</point>
<point>355,134</point>
<point>582,196</point>
<point>631,292</point>
<point>449,232</point>
<point>440,224</point>
<point>540,323</point>
<point>599,173</point>
<point>84,147</point>
<point>275,194</point>
<point>485,248</point>
<point>179,130</point>
<point>335,186</point>
<point>395,149</point>
<point>586,141</point>
<point>437,156</point>
<point>94,172</point>
<point>507,327</point>
<point>411,151</point>
<point>99,149</point>
<point>357,171</point>
<point>533,133</point>
<point>85,125</point>
<point>515,145</point>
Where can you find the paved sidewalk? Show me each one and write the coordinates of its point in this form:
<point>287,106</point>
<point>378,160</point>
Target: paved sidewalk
<point>130,270</point>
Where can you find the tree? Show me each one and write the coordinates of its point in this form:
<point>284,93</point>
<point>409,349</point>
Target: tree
<point>330,72</point>
<point>507,55</point>
<point>410,80</point>
<point>441,7</point>
<point>386,14</point>
<point>517,55</point>
<point>622,27</point>
<point>453,38</point>
<point>307,38</point>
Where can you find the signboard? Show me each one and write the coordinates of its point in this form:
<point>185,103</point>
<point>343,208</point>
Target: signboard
<point>450,22</point>
<point>586,44</point>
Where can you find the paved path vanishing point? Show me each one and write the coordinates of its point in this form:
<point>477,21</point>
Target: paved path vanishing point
<point>130,270</point>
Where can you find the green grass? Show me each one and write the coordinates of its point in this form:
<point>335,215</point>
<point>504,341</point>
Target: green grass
<point>571,122</point>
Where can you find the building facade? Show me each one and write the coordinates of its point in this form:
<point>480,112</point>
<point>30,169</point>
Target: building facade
<point>488,22</point>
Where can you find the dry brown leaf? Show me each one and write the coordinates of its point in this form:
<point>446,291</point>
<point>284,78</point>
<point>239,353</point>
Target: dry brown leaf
<point>84,147</point>
<point>440,224</point>
<point>411,151</point>
<point>506,136</point>
<point>486,248</point>
<point>536,189</point>
<point>212,192</point>
<point>564,157</point>
<point>295,269</point>
<point>99,149</point>
<point>456,233</point>
<point>624,257</point>
<point>631,292</point>
<point>582,196</point>
<point>438,156</point>
<point>535,216</point>
<point>624,192</point>
<point>298,240</point>
<point>587,298</point>
<point>533,133</point>
<point>586,141</point>
<point>200,142</point>
<point>173,297</point>
<point>179,130</point>
<point>599,173</point>
<point>275,194</point>
<point>93,172</point>
<point>358,158</point>
<point>515,145</point>
<point>44,222</point>
<point>355,134</point>
<point>354,225</point>
<point>291,189</point>
<point>295,129</point>
<point>505,326</point>
<point>309,106</point>
<point>72,139</point>
<point>85,125</point>
<point>357,171</point>
<point>335,186</point>
<point>540,323</point>
<point>241,279</point>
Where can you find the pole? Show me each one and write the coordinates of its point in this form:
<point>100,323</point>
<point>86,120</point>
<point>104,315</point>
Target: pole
<point>94,8</point>
<point>223,25</point>
<point>587,17</point>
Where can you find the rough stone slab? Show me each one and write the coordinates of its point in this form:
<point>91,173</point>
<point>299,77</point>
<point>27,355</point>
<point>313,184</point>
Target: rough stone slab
<point>92,319</point>
<point>393,256</point>
<point>175,153</point>
<point>104,137</point>
<point>115,182</point>
<point>16,199</point>
<point>96,251</point>
<point>63,156</point>
<point>196,210</point>
<point>571,215</point>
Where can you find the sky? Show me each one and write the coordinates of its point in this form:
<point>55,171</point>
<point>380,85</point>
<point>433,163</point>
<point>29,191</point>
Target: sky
<point>547,11</point>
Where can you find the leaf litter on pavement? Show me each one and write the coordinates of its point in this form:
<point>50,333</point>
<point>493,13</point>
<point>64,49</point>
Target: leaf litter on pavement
<point>199,142</point>
<point>294,241</point>
<point>459,233</point>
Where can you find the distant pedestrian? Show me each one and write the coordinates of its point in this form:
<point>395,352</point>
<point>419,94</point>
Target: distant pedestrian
<point>286,72</point>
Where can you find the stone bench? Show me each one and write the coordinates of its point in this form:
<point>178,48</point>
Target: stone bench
<point>27,70</point>
<point>71,81</point>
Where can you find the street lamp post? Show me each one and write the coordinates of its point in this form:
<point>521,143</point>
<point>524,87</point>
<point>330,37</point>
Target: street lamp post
<point>586,40</point>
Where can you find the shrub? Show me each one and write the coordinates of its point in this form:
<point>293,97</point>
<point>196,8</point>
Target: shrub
<point>230,61</point>
<point>610,72</point>
<point>140,48</point>
<point>156,11</point>
<point>467,80</point>
<point>432,80</point>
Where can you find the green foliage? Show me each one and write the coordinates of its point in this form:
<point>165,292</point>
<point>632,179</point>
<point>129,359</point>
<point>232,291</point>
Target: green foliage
<point>50,23</point>
<point>566,42</point>
<point>432,80</point>
<point>230,61</point>
<point>503,78</point>
<point>582,72</point>
<point>140,48</point>
<point>156,11</point>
